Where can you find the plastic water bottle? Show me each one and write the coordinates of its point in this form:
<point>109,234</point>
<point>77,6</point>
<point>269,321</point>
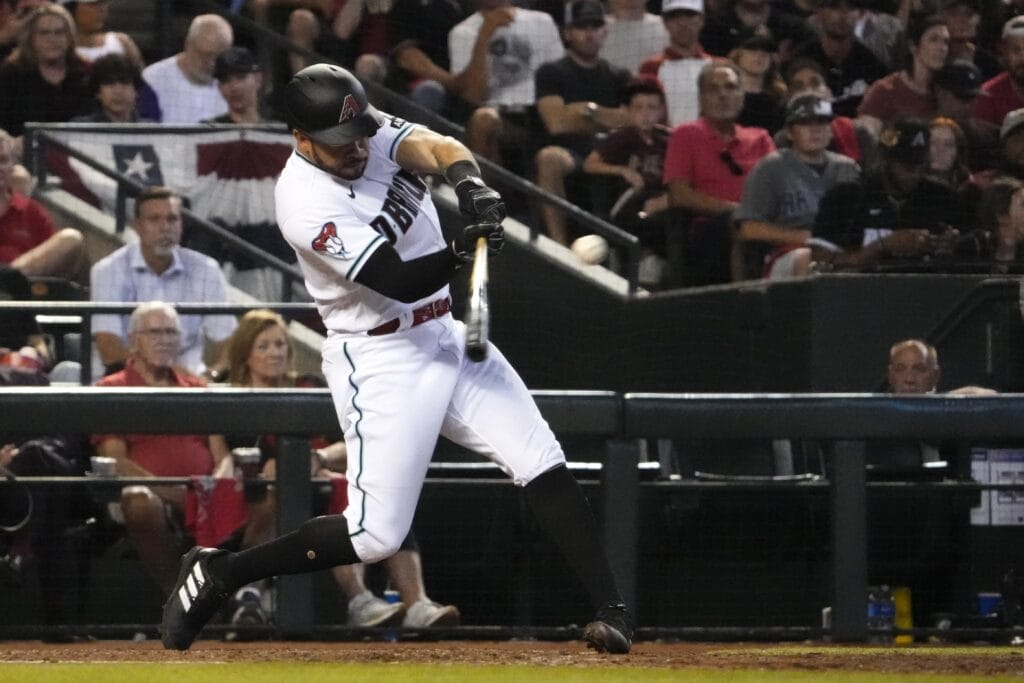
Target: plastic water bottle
<point>874,613</point>
<point>391,597</point>
<point>886,613</point>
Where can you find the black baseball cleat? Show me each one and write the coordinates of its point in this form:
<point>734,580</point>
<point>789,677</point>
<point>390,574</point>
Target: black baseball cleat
<point>196,597</point>
<point>611,630</point>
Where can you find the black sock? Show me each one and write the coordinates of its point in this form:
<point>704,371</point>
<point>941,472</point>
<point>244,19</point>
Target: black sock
<point>319,543</point>
<point>563,511</point>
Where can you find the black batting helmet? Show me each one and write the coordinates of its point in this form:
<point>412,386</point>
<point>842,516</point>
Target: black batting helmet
<point>328,104</point>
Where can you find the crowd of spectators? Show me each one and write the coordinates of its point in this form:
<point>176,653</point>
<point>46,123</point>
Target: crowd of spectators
<point>738,139</point>
<point>540,84</point>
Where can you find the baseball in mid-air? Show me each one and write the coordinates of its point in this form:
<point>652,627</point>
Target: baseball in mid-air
<point>591,249</point>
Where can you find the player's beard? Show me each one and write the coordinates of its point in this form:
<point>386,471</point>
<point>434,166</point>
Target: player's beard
<point>344,168</point>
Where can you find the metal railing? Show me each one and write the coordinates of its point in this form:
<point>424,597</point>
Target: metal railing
<point>844,420</point>
<point>41,137</point>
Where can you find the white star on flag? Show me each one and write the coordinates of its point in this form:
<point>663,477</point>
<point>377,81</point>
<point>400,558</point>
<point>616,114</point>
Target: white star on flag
<point>137,166</point>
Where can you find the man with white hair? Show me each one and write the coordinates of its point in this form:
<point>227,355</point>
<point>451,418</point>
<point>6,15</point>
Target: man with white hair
<point>184,84</point>
<point>153,516</point>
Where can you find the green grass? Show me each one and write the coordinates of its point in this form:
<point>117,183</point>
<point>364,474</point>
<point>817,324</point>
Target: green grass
<point>279,672</point>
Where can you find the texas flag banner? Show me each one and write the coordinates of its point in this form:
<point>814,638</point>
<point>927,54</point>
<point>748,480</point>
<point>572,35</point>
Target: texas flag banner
<point>226,176</point>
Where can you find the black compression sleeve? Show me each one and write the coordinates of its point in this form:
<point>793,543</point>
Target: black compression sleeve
<point>407,281</point>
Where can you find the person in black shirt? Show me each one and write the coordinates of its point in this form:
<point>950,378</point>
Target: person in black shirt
<point>240,80</point>
<point>850,67</point>
<point>577,97</point>
<point>895,214</point>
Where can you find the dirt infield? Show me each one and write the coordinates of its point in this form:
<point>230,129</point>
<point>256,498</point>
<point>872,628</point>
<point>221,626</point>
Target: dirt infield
<point>806,657</point>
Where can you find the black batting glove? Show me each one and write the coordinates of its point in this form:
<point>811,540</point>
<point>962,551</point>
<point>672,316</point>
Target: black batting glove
<point>477,202</point>
<point>464,246</point>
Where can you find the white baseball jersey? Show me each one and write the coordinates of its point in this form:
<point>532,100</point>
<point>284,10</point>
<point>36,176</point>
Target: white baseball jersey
<point>336,225</point>
<point>394,393</point>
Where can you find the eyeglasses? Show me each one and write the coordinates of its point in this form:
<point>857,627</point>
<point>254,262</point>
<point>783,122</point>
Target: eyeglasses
<point>727,159</point>
<point>161,332</point>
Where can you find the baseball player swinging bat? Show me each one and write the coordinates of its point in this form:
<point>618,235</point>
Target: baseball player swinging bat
<point>478,314</point>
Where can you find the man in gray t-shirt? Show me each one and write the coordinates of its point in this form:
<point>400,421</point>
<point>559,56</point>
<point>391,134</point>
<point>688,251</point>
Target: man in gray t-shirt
<point>781,194</point>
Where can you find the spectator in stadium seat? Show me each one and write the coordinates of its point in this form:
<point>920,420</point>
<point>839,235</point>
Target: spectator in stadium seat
<point>908,92</point>
<point>963,17</point>
<point>352,32</point>
<point>240,80</point>
<point>184,83</point>
<point>737,20</point>
<point>157,268</point>
<point>153,514</point>
<point>632,31</point>
<point>764,91</point>
<point>678,65</point>
<point>1005,92</point>
<point>1001,217</point>
<point>806,77</point>
<point>947,153</point>
<point>13,15</point>
<point>418,64</point>
<point>115,83</point>
<point>578,96</point>
<point>892,213</point>
<point>781,195</point>
<point>43,79</point>
<point>93,40</point>
<point>706,165</point>
<point>957,86</point>
<point>28,240</point>
<point>1011,137</point>
<point>849,66</point>
<point>495,53</point>
<point>635,155</point>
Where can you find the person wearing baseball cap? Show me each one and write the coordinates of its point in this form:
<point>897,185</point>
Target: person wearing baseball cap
<point>957,87</point>
<point>1005,92</point>
<point>678,65</point>
<point>781,195</point>
<point>1011,144</point>
<point>577,98</point>
<point>894,214</point>
<point>240,80</point>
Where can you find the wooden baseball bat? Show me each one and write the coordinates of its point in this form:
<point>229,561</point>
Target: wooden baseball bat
<point>478,314</point>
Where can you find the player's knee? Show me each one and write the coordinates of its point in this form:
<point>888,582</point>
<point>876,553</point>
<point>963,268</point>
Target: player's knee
<point>377,547</point>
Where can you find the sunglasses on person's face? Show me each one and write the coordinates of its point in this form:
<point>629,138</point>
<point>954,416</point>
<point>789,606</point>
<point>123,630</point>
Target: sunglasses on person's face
<point>727,159</point>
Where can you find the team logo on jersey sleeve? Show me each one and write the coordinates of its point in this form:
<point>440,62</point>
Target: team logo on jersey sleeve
<point>349,109</point>
<point>328,242</point>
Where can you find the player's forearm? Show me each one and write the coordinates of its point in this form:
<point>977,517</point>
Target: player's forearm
<point>425,151</point>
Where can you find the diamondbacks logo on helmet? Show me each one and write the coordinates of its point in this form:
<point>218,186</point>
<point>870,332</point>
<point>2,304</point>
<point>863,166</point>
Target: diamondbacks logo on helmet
<point>349,109</point>
<point>328,242</point>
